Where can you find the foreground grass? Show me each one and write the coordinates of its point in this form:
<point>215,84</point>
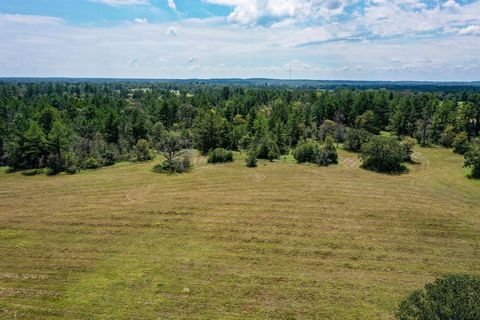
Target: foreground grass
<point>281,241</point>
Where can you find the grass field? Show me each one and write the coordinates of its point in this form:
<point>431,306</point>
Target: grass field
<point>281,241</point>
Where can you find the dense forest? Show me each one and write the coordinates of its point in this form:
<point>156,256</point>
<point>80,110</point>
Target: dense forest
<point>67,126</point>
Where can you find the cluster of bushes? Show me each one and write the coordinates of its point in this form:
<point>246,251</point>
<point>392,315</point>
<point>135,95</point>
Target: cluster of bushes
<point>383,154</point>
<point>311,151</point>
<point>179,164</point>
<point>220,155</point>
<point>380,152</point>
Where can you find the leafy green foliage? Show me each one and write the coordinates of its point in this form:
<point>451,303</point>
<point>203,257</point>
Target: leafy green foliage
<point>172,147</point>
<point>311,151</point>
<point>210,131</point>
<point>306,151</point>
<point>328,153</point>
<point>355,138</point>
<point>143,151</point>
<point>266,148</point>
<point>251,160</point>
<point>106,120</point>
<point>177,165</point>
<point>447,136</point>
<point>220,155</point>
<point>408,143</point>
<point>460,143</point>
<point>450,297</point>
<point>383,154</point>
<point>472,159</point>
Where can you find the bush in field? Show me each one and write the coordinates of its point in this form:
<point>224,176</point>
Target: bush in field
<point>328,153</point>
<point>143,151</point>
<point>408,143</point>
<point>472,159</point>
<point>267,149</point>
<point>251,160</point>
<point>177,165</point>
<point>91,163</point>
<point>460,143</point>
<point>355,138</point>
<point>383,154</point>
<point>451,297</point>
<point>311,151</point>
<point>220,155</point>
<point>306,151</point>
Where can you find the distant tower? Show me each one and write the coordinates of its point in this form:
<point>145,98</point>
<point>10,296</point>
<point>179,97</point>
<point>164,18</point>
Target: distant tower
<point>290,73</point>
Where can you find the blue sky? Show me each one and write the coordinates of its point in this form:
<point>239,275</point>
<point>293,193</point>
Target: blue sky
<point>318,39</point>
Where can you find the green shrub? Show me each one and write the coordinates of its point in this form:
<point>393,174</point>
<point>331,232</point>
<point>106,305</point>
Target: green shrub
<point>220,155</point>
<point>355,138</point>
<point>451,297</point>
<point>267,149</point>
<point>383,154</point>
<point>251,160</point>
<point>306,151</point>
<point>447,136</point>
<point>143,151</point>
<point>327,154</point>
<point>177,165</point>
<point>472,159</point>
<point>460,143</point>
<point>408,143</point>
<point>91,163</point>
<point>31,172</point>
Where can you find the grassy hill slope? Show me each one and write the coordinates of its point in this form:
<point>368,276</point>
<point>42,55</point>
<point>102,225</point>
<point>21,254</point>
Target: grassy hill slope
<point>281,241</point>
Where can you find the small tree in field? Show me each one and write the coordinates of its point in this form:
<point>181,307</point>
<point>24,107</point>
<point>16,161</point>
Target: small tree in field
<point>452,297</point>
<point>472,159</point>
<point>383,154</point>
<point>172,148</point>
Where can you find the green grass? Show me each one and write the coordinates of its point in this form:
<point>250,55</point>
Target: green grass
<point>280,241</point>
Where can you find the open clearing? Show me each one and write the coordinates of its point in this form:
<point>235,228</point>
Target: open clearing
<point>281,241</point>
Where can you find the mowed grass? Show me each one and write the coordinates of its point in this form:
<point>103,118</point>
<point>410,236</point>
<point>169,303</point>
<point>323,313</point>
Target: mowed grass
<point>281,241</point>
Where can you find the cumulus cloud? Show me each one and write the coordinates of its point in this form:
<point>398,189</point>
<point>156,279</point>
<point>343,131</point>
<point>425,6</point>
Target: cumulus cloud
<point>394,39</point>
<point>251,12</point>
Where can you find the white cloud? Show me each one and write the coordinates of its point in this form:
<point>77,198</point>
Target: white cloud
<point>29,19</point>
<point>172,5</point>
<point>251,12</point>
<point>387,45</point>
<point>192,60</point>
<point>470,30</point>
<point>123,2</point>
<point>171,31</point>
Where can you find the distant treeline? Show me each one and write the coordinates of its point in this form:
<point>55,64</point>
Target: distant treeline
<point>65,125</point>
